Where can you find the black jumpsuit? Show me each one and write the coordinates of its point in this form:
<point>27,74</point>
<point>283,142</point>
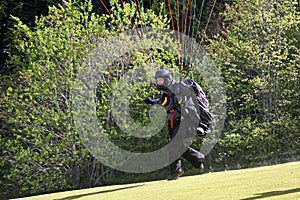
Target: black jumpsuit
<point>180,114</point>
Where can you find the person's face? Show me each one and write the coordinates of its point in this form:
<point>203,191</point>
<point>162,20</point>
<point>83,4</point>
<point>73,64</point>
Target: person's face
<point>159,81</point>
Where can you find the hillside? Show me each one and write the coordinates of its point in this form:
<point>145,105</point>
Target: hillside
<point>280,181</point>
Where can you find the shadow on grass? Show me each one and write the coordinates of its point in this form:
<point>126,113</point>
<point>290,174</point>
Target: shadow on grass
<point>272,193</point>
<point>93,193</point>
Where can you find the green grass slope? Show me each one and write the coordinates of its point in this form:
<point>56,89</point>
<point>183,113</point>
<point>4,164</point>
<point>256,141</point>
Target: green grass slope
<point>272,182</point>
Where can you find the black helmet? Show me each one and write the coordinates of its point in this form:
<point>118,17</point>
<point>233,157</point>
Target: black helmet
<point>162,73</point>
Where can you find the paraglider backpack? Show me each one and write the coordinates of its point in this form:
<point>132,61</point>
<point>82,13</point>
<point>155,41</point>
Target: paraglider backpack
<point>205,116</point>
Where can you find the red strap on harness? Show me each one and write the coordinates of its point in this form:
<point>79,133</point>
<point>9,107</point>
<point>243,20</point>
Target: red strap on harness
<point>172,118</point>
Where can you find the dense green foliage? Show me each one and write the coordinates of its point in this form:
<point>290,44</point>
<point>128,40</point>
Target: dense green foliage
<point>259,58</point>
<point>36,108</point>
<point>40,145</point>
<point>258,53</point>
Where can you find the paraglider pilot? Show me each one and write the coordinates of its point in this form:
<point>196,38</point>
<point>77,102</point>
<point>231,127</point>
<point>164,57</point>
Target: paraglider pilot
<point>170,97</point>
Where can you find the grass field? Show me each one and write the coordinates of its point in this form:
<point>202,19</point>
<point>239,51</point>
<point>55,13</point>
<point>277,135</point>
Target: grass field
<point>272,182</point>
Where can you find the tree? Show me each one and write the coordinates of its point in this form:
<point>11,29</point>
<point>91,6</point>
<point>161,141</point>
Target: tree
<point>42,151</point>
<point>259,58</point>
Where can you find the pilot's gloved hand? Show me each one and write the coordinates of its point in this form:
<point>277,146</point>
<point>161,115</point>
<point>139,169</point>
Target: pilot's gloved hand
<point>149,100</point>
